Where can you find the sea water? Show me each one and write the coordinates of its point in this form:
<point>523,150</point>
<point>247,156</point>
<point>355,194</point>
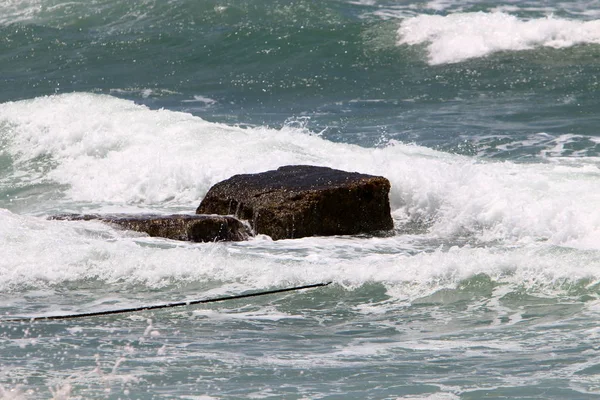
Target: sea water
<point>483,115</point>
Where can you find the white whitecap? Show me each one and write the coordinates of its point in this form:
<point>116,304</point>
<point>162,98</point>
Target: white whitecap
<point>461,36</point>
<point>110,153</point>
<point>201,99</point>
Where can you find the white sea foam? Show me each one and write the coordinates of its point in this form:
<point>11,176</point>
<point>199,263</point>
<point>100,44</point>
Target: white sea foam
<point>577,8</point>
<point>14,11</point>
<point>143,92</point>
<point>461,36</point>
<point>201,99</point>
<point>435,396</point>
<point>53,13</point>
<point>40,253</point>
<point>113,154</point>
<point>560,148</point>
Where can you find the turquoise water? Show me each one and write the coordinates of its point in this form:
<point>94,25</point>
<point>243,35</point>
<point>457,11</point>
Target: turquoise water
<point>483,116</point>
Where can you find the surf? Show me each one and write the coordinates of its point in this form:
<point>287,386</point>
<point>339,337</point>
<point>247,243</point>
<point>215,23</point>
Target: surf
<point>459,37</point>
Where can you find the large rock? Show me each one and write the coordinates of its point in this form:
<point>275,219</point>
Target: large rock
<point>301,200</point>
<point>195,228</point>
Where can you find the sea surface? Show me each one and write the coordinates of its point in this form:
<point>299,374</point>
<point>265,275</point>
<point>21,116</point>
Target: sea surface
<point>484,116</point>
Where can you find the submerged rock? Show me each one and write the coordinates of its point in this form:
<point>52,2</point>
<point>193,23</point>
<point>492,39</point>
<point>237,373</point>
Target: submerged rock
<point>302,200</point>
<point>195,228</point>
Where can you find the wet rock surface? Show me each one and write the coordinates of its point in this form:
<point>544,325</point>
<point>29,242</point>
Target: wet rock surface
<point>301,200</point>
<point>194,227</point>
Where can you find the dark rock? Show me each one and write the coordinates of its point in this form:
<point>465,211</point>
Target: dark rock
<point>301,200</point>
<point>195,228</point>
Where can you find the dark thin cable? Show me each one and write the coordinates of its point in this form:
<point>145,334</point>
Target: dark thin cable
<point>168,305</point>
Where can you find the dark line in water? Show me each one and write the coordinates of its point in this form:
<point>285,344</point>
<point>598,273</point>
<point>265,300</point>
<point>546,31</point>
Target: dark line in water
<point>168,305</point>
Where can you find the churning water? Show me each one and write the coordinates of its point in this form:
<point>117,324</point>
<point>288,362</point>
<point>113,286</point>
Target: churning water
<point>483,115</point>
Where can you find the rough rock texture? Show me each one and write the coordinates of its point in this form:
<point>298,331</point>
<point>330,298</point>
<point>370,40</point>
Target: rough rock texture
<point>301,200</point>
<point>195,228</point>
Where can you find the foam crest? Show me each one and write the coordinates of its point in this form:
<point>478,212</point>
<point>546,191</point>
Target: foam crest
<point>577,7</point>
<point>109,152</point>
<point>508,202</point>
<point>462,36</point>
<point>38,253</point>
<point>58,14</point>
<point>549,147</point>
<point>14,11</point>
<point>42,253</point>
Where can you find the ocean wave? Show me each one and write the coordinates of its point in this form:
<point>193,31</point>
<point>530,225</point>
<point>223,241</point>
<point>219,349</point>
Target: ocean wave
<point>100,151</point>
<point>461,36</point>
<point>59,14</point>
<point>43,254</point>
<point>564,148</point>
<point>18,11</point>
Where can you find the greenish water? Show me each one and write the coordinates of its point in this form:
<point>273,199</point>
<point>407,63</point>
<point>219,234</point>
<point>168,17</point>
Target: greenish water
<point>482,115</point>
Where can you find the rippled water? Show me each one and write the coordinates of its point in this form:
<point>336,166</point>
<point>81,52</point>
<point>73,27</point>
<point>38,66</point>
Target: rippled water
<point>482,115</point>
